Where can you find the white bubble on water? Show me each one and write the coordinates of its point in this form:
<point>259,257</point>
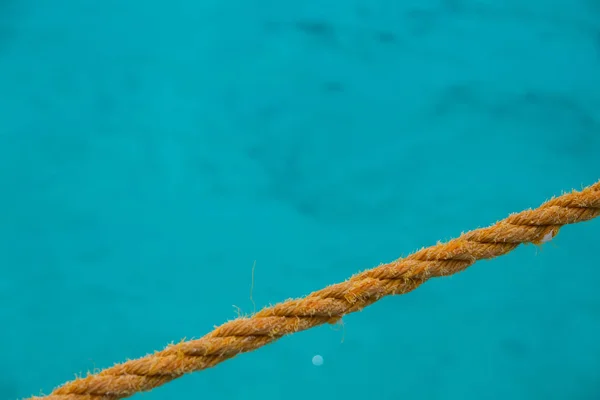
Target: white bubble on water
<point>317,360</point>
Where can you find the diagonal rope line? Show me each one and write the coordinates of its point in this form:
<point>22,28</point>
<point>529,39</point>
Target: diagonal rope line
<point>330,304</point>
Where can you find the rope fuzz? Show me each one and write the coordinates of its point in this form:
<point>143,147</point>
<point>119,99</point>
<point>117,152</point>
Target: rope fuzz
<point>329,305</point>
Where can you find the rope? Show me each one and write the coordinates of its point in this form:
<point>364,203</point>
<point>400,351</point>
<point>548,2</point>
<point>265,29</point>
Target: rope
<point>329,305</point>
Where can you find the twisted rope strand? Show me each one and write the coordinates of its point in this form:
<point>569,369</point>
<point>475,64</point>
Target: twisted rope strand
<point>330,304</point>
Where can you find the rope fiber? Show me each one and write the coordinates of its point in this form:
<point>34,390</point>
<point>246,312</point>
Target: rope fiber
<point>330,304</point>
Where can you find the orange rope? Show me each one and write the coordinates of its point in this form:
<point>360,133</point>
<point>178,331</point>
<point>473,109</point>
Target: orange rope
<point>332,303</point>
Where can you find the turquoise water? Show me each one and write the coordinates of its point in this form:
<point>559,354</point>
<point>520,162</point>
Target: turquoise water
<point>151,153</point>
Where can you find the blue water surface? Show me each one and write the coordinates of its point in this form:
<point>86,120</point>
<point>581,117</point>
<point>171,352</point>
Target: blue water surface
<point>152,152</point>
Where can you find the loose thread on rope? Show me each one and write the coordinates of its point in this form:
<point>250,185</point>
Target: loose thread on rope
<point>330,304</point>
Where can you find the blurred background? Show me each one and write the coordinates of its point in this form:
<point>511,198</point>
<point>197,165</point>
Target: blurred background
<point>151,152</point>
